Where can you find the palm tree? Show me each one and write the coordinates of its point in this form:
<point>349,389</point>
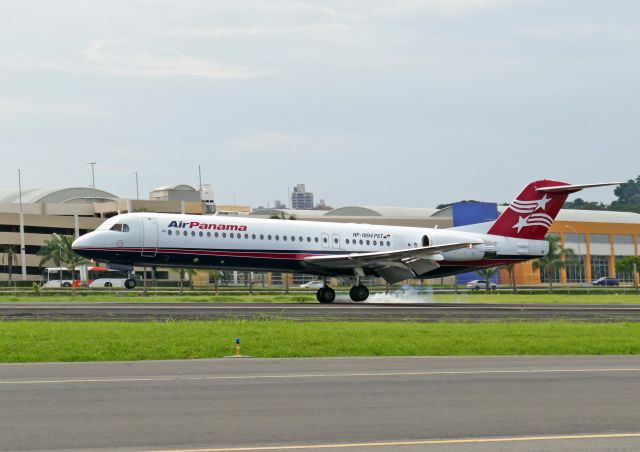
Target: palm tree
<point>510,268</point>
<point>182,272</point>
<point>11,252</point>
<point>555,259</point>
<point>215,276</point>
<point>58,250</point>
<point>51,251</point>
<point>486,274</point>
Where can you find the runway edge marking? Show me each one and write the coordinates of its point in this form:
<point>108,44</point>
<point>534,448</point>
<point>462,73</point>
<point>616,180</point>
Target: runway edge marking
<point>414,443</point>
<point>294,376</point>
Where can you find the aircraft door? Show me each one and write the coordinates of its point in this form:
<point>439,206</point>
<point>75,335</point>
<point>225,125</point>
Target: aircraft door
<point>335,241</point>
<point>149,237</point>
<point>325,240</point>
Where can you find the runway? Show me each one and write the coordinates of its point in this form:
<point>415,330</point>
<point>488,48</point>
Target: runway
<point>422,312</point>
<point>438,404</point>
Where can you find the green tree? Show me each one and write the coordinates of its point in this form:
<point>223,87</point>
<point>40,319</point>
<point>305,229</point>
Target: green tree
<point>9,255</point>
<point>628,193</point>
<point>487,273</point>
<point>630,264</point>
<point>557,258</point>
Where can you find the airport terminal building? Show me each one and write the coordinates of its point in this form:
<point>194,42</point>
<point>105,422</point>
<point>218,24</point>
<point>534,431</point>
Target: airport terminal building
<point>598,238</point>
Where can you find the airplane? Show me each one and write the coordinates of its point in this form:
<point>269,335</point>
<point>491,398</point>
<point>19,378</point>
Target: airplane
<point>326,249</point>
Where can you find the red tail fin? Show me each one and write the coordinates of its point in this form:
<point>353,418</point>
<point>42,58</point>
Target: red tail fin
<point>530,215</point>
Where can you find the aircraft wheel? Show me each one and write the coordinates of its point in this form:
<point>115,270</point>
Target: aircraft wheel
<point>359,293</point>
<point>326,295</point>
<point>130,283</point>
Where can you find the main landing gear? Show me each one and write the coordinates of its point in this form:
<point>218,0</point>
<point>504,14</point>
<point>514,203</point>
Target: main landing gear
<point>326,294</point>
<point>359,293</point>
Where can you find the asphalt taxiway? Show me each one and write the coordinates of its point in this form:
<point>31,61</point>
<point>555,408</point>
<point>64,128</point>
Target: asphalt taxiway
<point>439,404</point>
<point>420,312</point>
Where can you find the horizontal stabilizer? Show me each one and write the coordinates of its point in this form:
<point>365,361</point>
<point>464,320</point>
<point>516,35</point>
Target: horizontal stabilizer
<point>573,188</point>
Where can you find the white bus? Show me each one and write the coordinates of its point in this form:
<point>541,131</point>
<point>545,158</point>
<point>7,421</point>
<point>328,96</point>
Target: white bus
<point>96,277</point>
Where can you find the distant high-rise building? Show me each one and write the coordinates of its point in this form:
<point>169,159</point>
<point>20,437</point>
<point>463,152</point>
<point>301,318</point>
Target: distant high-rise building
<point>301,198</point>
<point>279,204</point>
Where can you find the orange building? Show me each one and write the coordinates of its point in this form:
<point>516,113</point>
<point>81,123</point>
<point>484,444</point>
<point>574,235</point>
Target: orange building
<point>598,239</point>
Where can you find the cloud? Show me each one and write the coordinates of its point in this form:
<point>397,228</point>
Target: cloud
<point>23,107</point>
<point>444,7</point>
<point>120,58</point>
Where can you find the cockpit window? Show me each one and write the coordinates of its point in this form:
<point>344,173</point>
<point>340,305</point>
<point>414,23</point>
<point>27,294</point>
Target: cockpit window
<point>120,227</point>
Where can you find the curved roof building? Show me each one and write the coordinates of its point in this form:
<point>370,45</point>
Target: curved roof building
<point>70,195</point>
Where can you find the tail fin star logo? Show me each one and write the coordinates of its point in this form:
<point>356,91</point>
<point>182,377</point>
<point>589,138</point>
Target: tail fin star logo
<point>535,219</point>
<point>530,206</point>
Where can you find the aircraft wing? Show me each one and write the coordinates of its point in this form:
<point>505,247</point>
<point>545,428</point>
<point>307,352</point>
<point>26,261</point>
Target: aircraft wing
<point>393,266</point>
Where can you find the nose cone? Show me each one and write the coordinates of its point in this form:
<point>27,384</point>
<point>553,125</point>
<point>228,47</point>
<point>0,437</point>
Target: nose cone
<point>79,243</point>
<point>82,246</point>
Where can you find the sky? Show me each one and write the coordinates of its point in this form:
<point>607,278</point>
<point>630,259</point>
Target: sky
<point>368,102</point>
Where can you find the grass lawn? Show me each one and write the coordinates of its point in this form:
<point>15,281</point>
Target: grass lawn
<point>29,341</point>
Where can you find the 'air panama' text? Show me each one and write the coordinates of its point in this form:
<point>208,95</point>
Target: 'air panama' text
<point>198,225</point>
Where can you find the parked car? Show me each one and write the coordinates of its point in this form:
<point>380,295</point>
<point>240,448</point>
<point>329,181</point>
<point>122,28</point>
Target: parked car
<point>312,285</point>
<point>481,284</point>
<point>606,281</point>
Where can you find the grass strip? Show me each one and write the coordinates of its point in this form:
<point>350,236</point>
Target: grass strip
<point>135,297</point>
<point>35,341</point>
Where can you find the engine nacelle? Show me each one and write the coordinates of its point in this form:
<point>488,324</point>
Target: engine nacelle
<point>473,253</point>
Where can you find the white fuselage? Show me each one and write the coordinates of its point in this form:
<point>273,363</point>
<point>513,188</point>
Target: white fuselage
<point>172,240</point>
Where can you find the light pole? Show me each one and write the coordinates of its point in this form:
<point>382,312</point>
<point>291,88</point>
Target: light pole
<point>137,192</point>
<point>58,242</point>
<point>579,252</point>
<point>93,175</point>
<point>23,252</point>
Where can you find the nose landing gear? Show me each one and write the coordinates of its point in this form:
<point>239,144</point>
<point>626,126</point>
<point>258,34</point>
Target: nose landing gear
<point>130,283</point>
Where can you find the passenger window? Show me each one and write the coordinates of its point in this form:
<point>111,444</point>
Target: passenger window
<point>261,236</point>
<point>231,235</point>
<point>184,233</point>
<point>300,238</point>
<point>246,236</point>
<point>239,236</point>
<point>269,236</point>
<point>208,234</point>
<point>193,233</point>
<point>347,241</point>
<point>169,232</point>
<point>293,239</point>
<point>201,234</point>
<point>375,243</point>
<point>388,243</point>
<point>224,235</point>
<point>361,242</point>
<point>215,235</point>
<point>316,240</point>
<point>284,237</point>
<point>335,241</point>
<point>253,236</point>
<point>368,242</point>
<point>308,239</point>
<point>324,239</point>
